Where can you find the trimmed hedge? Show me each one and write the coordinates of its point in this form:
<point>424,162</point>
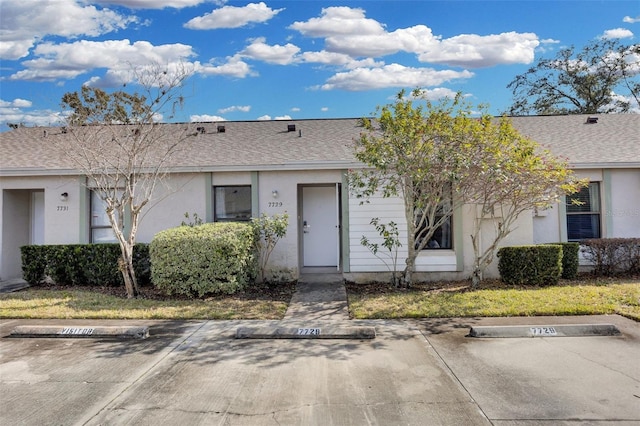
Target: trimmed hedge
<point>209,258</point>
<point>530,265</point>
<point>82,264</point>
<point>570,260</point>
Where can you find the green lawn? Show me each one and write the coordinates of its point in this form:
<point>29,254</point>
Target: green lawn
<point>585,298</point>
<point>76,304</point>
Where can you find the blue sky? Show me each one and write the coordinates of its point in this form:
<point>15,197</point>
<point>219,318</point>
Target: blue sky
<point>289,59</point>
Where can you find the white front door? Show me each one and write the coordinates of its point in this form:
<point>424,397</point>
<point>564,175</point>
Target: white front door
<point>320,226</point>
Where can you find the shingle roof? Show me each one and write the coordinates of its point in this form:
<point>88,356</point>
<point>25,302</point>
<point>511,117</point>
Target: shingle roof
<point>614,141</point>
<point>246,145</point>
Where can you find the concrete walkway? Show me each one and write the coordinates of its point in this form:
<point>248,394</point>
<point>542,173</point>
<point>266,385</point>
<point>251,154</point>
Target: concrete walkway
<point>319,297</point>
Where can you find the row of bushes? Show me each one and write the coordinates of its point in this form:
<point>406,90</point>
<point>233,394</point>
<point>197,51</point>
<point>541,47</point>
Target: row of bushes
<point>538,264</point>
<point>82,264</point>
<point>189,260</point>
<point>611,256</point>
<point>546,264</point>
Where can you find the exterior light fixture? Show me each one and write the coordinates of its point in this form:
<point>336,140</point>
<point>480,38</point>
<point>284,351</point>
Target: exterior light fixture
<point>274,193</point>
<point>64,196</point>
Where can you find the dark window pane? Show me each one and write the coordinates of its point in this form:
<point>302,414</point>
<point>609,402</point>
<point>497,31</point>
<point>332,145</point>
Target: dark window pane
<point>587,200</point>
<point>441,238</point>
<point>582,226</point>
<point>232,203</point>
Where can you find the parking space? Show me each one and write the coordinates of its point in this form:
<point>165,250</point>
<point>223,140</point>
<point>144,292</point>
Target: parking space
<point>413,372</point>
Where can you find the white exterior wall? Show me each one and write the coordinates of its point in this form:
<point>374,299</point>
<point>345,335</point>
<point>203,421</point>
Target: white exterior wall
<point>175,196</point>
<point>62,219</point>
<point>430,264</point>
<point>622,214</point>
<point>285,259</point>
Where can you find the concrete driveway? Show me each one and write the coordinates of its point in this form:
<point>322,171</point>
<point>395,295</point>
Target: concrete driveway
<point>413,373</point>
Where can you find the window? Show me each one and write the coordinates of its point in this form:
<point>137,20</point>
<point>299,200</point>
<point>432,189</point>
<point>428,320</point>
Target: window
<point>441,238</point>
<point>100,228</point>
<point>583,216</point>
<point>232,203</point>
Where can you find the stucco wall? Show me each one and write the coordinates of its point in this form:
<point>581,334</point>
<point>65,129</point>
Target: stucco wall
<point>623,213</point>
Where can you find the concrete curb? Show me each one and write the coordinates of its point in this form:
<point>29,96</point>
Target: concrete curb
<point>117,332</point>
<point>567,330</point>
<point>329,332</point>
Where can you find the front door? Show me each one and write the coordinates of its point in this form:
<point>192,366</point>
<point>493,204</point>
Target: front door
<point>320,226</point>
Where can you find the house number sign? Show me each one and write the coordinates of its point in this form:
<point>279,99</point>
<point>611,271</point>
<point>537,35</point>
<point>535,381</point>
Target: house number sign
<point>62,208</point>
<point>308,332</point>
<point>543,331</point>
<point>77,331</point>
<point>275,204</point>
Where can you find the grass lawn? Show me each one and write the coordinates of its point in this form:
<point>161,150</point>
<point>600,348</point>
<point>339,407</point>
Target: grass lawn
<point>583,297</point>
<point>111,303</point>
<point>441,300</point>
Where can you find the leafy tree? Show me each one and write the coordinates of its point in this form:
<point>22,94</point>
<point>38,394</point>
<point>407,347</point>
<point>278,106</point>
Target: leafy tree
<point>420,154</point>
<point>112,139</point>
<point>580,82</point>
<point>513,175</point>
<point>439,157</point>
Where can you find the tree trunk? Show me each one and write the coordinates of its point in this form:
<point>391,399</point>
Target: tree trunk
<point>128,272</point>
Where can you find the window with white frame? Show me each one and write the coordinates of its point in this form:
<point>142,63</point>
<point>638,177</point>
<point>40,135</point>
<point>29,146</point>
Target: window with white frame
<point>232,203</point>
<point>583,213</point>
<point>100,228</point>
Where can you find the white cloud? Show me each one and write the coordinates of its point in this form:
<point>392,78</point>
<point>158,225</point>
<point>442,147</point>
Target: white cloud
<point>69,60</point>
<point>630,20</point>
<point>233,17</point>
<point>324,109</point>
<point>276,54</point>
<point>283,117</point>
<point>348,32</point>
<point>14,112</point>
<point>234,67</point>
<point>24,23</point>
<point>473,51</point>
<point>205,118</point>
<point>264,117</point>
<point>617,33</point>
<point>241,108</point>
<point>338,59</point>
<point>151,4</point>
<point>393,75</point>
<point>335,21</point>
<point>295,109</point>
<point>413,40</point>
<point>16,103</point>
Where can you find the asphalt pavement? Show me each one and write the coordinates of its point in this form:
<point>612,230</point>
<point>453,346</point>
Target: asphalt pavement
<point>413,372</point>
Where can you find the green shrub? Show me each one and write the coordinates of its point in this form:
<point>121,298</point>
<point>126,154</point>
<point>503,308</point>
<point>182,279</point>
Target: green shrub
<point>210,258</point>
<point>530,265</point>
<point>82,264</point>
<point>570,259</point>
<point>34,264</point>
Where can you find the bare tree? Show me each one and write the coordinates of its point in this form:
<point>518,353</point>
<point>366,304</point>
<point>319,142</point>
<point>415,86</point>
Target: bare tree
<point>116,141</point>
